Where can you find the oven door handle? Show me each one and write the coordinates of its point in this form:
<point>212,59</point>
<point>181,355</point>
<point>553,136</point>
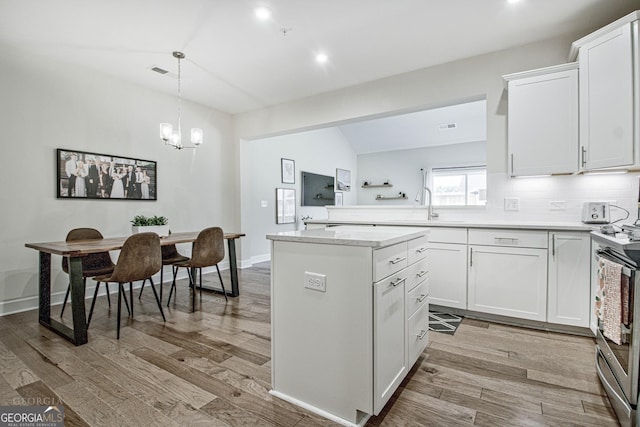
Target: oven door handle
<point>618,402</point>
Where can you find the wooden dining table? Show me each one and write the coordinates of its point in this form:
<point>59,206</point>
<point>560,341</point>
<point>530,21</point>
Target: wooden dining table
<point>75,251</point>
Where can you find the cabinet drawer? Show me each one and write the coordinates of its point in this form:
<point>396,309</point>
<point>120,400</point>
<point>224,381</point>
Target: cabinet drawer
<point>417,249</point>
<point>518,238</point>
<point>389,260</point>
<point>418,333</point>
<point>448,235</point>
<point>417,297</point>
<point>416,273</point>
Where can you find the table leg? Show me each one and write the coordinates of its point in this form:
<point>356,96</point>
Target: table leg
<point>45,287</point>
<point>77,335</point>
<point>233,270</point>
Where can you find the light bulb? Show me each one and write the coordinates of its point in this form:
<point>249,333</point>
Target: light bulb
<point>196,136</point>
<point>165,131</point>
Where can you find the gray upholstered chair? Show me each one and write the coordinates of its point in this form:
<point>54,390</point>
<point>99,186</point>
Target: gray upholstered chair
<point>140,258</point>
<point>208,250</point>
<point>93,265</point>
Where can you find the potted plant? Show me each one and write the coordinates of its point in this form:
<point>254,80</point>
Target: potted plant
<point>153,224</point>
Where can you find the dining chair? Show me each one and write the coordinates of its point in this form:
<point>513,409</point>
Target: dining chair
<point>140,258</point>
<point>170,256</point>
<point>93,265</point>
<point>207,251</point>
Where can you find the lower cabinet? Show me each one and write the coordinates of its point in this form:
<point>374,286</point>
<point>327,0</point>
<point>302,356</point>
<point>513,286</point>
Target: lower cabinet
<point>509,281</point>
<point>448,274</point>
<point>568,287</point>
<point>390,359</point>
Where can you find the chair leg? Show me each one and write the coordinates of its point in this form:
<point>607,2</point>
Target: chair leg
<point>173,285</point>
<point>131,296</point>
<point>157,299</point>
<point>93,303</point>
<point>222,283</point>
<point>124,295</point>
<point>142,288</point>
<point>66,298</point>
<point>161,281</point>
<point>106,284</point>
<point>192,286</point>
<point>120,293</point>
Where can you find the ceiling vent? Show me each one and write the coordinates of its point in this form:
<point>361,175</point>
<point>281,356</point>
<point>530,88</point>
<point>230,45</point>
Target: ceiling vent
<point>448,126</point>
<point>159,70</point>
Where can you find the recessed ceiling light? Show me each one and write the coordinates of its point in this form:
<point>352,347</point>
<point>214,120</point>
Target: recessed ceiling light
<point>262,13</point>
<point>322,58</point>
<point>513,1</point>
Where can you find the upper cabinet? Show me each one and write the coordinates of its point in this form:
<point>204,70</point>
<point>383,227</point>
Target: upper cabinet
<point>543,121</point>
<point>609,95</point>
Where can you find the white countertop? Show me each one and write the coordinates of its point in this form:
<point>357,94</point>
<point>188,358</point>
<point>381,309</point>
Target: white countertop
<point>523,225</point>
<point>352,235</point>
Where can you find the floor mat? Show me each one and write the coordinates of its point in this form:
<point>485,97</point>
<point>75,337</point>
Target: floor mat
<point>446,323</point>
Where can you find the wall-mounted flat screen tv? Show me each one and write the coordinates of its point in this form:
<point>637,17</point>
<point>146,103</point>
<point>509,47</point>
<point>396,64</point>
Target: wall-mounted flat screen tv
<point>317,190</point>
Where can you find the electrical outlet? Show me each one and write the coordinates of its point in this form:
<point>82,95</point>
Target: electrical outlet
<point>557,205</point>
<point>511,204</point>
<point>315,281</point>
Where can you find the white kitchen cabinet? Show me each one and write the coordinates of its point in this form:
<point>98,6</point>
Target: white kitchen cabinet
<point>448,274</point>
<point>510,279</point>
<point>608,84</point>
<point>543,121</point>
<point>390,360</point>
<point>447,255</point>
<point>340,343</point>
<point>569,279</point>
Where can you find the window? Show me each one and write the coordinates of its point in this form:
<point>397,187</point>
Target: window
<point>466,186</point>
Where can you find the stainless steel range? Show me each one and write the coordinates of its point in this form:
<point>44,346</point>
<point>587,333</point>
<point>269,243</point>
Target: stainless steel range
<point>617,363</point>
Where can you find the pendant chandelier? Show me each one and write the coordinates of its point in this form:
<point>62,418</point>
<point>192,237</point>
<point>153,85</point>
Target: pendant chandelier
<point>167,134</point>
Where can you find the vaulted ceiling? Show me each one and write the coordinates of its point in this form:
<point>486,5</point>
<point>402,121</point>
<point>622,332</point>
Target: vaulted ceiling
<point>236,63</point>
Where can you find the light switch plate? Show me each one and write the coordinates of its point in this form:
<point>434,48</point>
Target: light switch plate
<point>511,204</point>
<point>264,203</point>
<point>315,281</point>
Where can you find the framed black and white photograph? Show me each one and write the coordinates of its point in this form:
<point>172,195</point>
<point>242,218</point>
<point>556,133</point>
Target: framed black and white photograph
<point>84,175</point>
<point>338,199</point>
<point>285,205</point>
<point>288,171</point>
<point>343,180</point>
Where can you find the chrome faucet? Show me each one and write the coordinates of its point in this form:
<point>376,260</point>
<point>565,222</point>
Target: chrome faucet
<point>430,205</point>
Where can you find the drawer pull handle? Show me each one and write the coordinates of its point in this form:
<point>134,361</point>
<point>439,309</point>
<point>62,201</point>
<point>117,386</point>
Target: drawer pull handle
<point>422,334</point>
<point>420,250</point>
<point>422,298</point>
<point>399,280</point>
<point>511,240</point>
<point>397,260</point>
<point>422,273</point>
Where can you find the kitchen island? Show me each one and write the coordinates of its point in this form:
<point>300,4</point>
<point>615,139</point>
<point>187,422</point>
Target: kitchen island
<point>349,316</point>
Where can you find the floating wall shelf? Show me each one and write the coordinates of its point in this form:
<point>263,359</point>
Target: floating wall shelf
<point>377,185</point>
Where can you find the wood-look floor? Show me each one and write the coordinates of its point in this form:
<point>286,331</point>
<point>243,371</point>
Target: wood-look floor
<point>212,368</point>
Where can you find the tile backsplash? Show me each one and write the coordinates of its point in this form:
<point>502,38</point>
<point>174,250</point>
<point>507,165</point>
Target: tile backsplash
<point>554,198</point>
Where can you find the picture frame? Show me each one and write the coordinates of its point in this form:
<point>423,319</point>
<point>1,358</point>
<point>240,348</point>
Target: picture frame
<point>343,180</point>
<point>97,176</point>
<point>338,198</point>
<point>288,171</point>
<point>285,205</point>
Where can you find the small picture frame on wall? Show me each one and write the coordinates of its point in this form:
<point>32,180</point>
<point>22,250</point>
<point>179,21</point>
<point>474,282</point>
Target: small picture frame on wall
<point>288,171</point>
<point>338,198</point>
<point>343,180</point>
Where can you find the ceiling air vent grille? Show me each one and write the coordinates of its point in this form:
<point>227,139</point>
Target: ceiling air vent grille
<point>159,70</point>
<point>448,126</point>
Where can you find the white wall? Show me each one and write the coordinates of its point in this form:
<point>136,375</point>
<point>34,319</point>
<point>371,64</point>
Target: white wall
<point>320,151</point>
<point>47,105</point>
<point>402,169</point>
